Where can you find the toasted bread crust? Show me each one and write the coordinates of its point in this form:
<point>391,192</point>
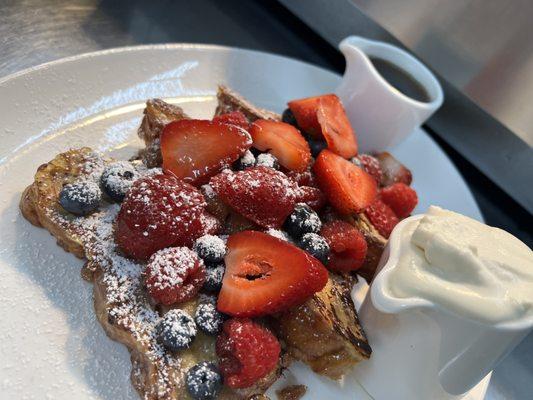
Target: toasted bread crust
<point>229,101</point>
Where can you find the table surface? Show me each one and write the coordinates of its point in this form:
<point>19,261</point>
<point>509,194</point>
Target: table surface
<point>33,32</point>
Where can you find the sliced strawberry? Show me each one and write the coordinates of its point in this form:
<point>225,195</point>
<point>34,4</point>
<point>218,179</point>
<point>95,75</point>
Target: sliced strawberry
<point>336,127</point>
<point>393,170</point>
<point>194,150</point>
<point>348,188</point>
<point>262,194</point>
<point>382,217</point>
<point>304,111</point>
<point>265,275</point>
<point>284,141</point>
<point>311,196</point>
<point>233,118</point>
<point>347,245</point>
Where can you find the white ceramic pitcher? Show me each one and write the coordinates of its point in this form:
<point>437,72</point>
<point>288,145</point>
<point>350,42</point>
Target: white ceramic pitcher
<point>421,351</point>
<point>381,115</point>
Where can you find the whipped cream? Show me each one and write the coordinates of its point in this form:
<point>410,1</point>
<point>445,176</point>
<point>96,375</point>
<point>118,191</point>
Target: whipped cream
<point>465,266</point>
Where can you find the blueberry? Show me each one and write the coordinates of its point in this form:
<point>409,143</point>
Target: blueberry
<point>302,220</point>
<point>213,278</point>
<point>316,145</point>
<point>208,319</point>
<point>204,381</point>
<point>288,117</point>
<point>267,160</point>
<point>80,198</point>
<point>176,330</point>
<point>117,179</point>
<point>246,161</point>
<point>315,245</point>
<point>210,248</point>
<point>255,152</point>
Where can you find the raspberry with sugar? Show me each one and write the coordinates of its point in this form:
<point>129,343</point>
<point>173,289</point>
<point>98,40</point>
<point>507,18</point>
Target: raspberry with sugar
<point>370,165</point>
<point>348,246</point>
<point>401,198</point>
<point>382,217</point>
<point>174,275</point>
<point>160,211</point>
<point>247,352</point>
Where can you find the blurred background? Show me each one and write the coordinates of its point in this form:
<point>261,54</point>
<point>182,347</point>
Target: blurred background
<point>482,51</point>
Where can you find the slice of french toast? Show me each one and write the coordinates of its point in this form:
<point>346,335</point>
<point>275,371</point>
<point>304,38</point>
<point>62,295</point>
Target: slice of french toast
<point>121,302</point>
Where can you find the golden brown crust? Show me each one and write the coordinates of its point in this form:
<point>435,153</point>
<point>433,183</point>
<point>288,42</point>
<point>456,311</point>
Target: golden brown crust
<point>229,101</point>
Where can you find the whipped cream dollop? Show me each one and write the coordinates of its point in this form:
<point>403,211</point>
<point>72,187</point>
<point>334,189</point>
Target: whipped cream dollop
<point>465,266</point>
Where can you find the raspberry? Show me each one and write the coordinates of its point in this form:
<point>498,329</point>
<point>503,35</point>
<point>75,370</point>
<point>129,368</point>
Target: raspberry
<point>348,246</point>
<point>305,178</point>
<point>311,196</point>
<point>370,164</point>
<point>400,198</point>
<point>159,211</point>
<point>382,217</point>
<point>174,275</point>
<point>247,352</point>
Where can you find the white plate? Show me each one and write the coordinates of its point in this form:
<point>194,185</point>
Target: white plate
<point>51,345</point>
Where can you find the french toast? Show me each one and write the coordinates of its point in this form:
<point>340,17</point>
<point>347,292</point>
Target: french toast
<point>121,303</point>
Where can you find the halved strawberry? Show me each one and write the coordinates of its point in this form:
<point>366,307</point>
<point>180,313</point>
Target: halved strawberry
<point>348,188</point>
<point>284,141</point>
<point>336,127</point>
<point>304,111</point>
<point>194,150</point>
<point>233,118</point>
<point>262,194</point>
<point>265,275</point>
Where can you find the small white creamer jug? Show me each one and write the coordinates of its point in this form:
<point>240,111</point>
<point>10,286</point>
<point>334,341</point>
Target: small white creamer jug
<point>381,115</point>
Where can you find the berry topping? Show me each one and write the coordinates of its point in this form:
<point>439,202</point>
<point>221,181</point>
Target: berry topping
<point>348,188</point>
<point>208,319</point>
<point>315,245</point>
<point>210,248</point>
<point>195,150</point>
<point>305,112</point>
<point>284,141</point>
<point>336,127</point>
<point>204,381</point>
<point>288,117</point>
<point>393,170</point>
<point>402,199</point>
<point>174,275</point>
<point>263,195</point>
<point>304,178</point>
<point>215,206</point>
<point>278,234</point>
<point>316,145</point>
<point>311,196</point>
<point>176,330</point>
<point>370,165</point>
<point>246,161</point>
<point>159,211</point>
<point>233,118</point>
<point>265,275</point>
<point>213,278</point>
<point>247,352</point>
<point>348,246</point>
<point>80,198</point>
<point>117,179</point>
<point>302,220</point>
<point>267,160</point>
<point>382,217</point>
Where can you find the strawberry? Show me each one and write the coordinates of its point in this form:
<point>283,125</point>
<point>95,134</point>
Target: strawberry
<point>265,275</point>
<point>160,211</point>
<point>311,196</point>
<point>382,217</point>
<point>393,170</point>
<point>233,118</point>
<point>401,198</point>
<point>194,150</point>
<point>370,165</point>
<point>247,352</point>
<point>284,141</point>
<point>348,188</point>
<point>336,127</point>
<point>347,245</point>
<point>262,194</point>
<point>304,110</point>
